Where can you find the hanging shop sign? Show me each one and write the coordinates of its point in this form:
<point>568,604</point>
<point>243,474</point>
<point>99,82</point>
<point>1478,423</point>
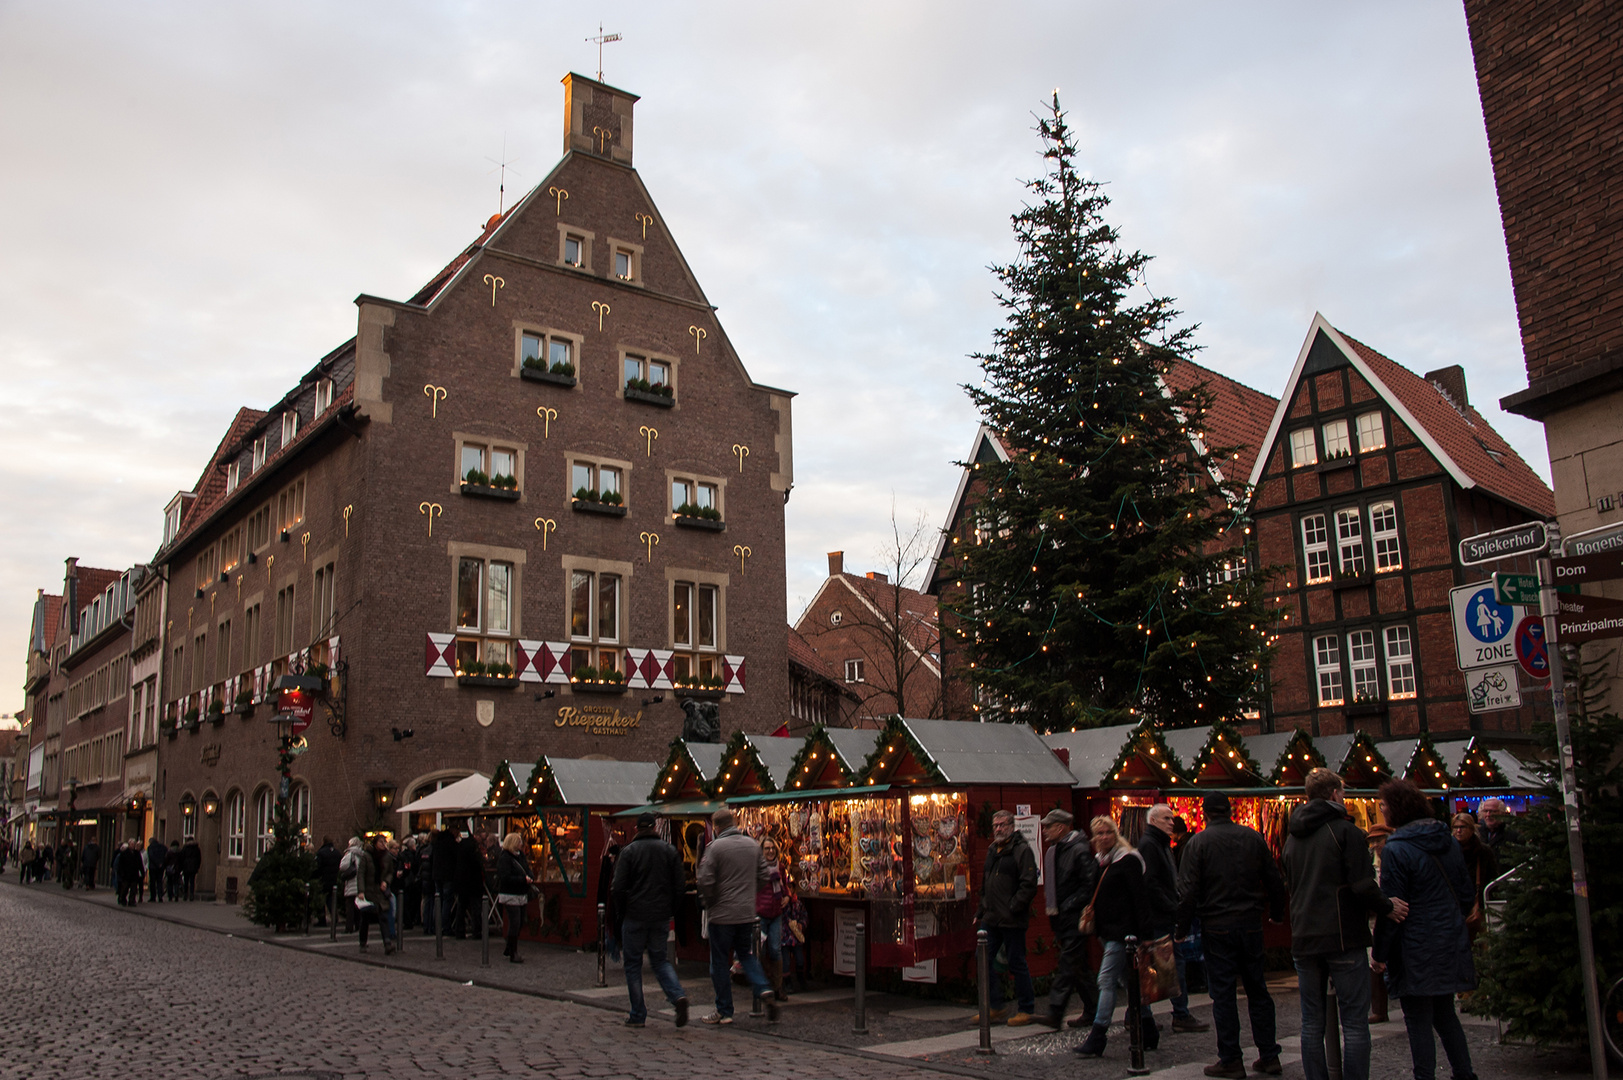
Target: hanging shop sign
<point>598,719</point>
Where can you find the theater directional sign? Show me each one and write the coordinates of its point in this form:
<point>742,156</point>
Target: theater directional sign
<point>1585,618</point>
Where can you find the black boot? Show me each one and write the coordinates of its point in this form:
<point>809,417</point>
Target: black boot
<point>1150,1032</point>
<point>1094,1045</point>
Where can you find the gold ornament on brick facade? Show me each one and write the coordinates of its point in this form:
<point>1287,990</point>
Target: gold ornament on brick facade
<point>270,561</point>
<point>649,435</point>
<point>559,194</point>
<point>602,309</point>
<point>652,540</point>
<point>741,452</point>
<point>698,335</point>
<point>545,526</point>
<point>645,220</point>
<point>434,394</point>
<point>743,552</point>
<point>433,510</point>
<point>547,416</point>
<point>495,283</point>
<point>304,542</point>
<point>348,510</point>
<point>603,136</point>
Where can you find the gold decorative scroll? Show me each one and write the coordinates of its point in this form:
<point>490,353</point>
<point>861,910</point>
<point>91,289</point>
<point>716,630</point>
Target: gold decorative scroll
<point>495,283</point>
<point>698,335</point>
<point>649,435</point>
<point>652,540</point>
<point>603,136</point>
<point>645,220</point>
<point>305,542</point>
<point>545,526</point>
<point>435,394</point>
<point>433,510</point>
<point>743,552</point>
<point>741,452</point>
<point>602,309</point>
<point>559,194</point>
<point>547,417</point>
<point>348,510</point>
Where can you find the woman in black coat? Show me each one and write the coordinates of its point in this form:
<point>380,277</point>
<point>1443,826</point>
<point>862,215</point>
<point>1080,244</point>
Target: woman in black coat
<point>1120,904</point>
<point>513,883</point>
<point>1427,958</point>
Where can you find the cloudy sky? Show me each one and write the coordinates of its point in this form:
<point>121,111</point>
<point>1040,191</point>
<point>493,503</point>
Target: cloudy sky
<point>192,194</point>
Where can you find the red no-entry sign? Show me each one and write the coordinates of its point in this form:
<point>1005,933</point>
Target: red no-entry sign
<point>1531,652</point>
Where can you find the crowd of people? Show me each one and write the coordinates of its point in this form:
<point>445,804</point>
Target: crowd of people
<point>137,872</point>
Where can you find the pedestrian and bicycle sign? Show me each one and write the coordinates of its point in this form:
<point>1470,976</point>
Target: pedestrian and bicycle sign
<point>1491,689</point>
<point>1531,652</point>
<point>1530,538</point>
<point>1483,627</point>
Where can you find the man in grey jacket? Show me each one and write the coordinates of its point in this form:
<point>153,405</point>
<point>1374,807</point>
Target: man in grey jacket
<point>729,875</point>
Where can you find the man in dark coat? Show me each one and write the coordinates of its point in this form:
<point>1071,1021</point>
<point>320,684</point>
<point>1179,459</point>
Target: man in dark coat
<point>1161,888</point>
<point>67,862</point>
<point>1007,889</point>
<point>157,855</point>
<point>191,861</point>
<point>647,886</point>
<point>1069,876</point>
<point>88,862</point>
<point>443,866</point>
<point>1333,893</point>
<point>128,864</point>
<point>327,858</point>
<point>470,885</point>
<point>1230,880</point>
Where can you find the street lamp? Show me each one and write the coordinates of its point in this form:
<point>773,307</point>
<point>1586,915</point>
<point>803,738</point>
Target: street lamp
<point>211,806</point>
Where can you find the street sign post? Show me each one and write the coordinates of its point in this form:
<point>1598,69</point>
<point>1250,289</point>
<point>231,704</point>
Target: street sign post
<point>1530,538</point>
<point>1515,588</point>
<point>1531,652</point>
<point>1482,627</point>
<point>1586,618</point>
<point>1490,689</point>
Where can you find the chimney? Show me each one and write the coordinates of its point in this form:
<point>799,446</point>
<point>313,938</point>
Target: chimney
<point>70,595</point>
<point>597,119</point>
<point>1451,380</point>
<point>874,575</point>
<point>836,563</point>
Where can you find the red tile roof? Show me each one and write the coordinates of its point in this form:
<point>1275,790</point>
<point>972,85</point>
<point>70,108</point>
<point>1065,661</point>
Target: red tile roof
<point>804,653</point>
<point>426,294</point>
<point>920,611</point>
<point>1463,435</point>
<point>1238,419</point>
<point>92,580</point>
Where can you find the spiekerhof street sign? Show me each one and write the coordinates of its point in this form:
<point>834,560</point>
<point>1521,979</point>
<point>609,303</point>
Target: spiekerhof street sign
<point>1586,618</point>
<point>1482,627</point>
<point>1528,539</point>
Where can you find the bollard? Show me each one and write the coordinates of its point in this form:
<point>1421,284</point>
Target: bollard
<point>859,1019</point>
<point>484,931</point>
<point>306,909</point>
<point>332,917</point>
<point>399,927</point>
<point>439,924</point>
<point>1135,1021</point>
<point>602,945</point>
<point>983,982</point>
<point>1332,1035</point>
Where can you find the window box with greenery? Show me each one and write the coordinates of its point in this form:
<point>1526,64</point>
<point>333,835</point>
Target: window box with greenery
<point>547,357</point>
<point>1338,459</point>
<point>474,673</point>
<point>243,705</point>
<point>501,486</point>
<point>660,394</point>
<point>191,718</point>
<point>489,472</point>
<point>592,681</point>
<point>216,713</point>
<point>699,517</point>
<point>167,727</point>
<point>700,687</point>
<point>537,370</point>
<point>587,501</point>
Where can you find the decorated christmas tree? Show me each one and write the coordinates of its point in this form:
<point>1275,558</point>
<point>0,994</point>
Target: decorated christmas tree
<point>1104,578</point>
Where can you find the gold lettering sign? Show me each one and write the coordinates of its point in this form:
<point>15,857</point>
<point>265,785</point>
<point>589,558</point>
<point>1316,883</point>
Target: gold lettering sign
<point>598,719</point>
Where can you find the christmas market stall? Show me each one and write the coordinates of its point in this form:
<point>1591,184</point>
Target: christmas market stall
<point>1362,767</point>
<point>1480,773</point>
<point>1417,760</point>
<point>1286,757</point>
<point>508,787</point>
<point>831,758</point>
<point>1119,771</point>
<point>755,764</point>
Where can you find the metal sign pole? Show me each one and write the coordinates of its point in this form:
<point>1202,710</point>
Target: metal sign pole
<point>983,990</point>
<point>1550,607</point>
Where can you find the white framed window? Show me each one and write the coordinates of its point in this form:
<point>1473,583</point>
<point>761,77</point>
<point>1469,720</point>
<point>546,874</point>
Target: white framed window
<point>1303,450</point>
<point>324,595</point>
<point>1316,548</point>
<point>324,395</point>
<point>488,465</point>
<point>1327,665</point>
<point>188,825</point>
<point>1350,542</point>
<point>484,615</point>
<point>1400,678</point>
<point>552,353</point>
<point>290,426</point>
<point>695,498</point>
<point>1366,684</point>
<point>595,482</point>
<point>625,264</point>
<point>1337,441</point>
<point>236,825</point>
<point>171,522</point>
<point>640,369</point>
<point>853,671</point>
<point>1371,432</point>
<point>290,505</point>
<point>298,808</point>
<point>594,620</point>
<point>1383,529</point>
<point>261,452</point>
<point>696,629</point>
<point>233,476</point>
<point>574,250</point>
<point>264,816</point>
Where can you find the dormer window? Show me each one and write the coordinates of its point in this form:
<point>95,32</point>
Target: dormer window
<point>171,522</point>
<point>233,476</point>
<point>290,426</point>
<point>324,395</point>
<point>260,453</point>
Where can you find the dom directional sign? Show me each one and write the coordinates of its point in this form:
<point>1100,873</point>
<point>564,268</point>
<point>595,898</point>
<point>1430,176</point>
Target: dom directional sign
<point>1585,618</point>
<point>1527,539</point>
<point>1531,652</point>
<point>1482,627</point>
<point>1516,589</point>
<point>1581,569</point>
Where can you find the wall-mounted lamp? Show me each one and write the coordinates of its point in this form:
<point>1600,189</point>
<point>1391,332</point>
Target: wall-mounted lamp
<point>400,733</point>
<point>655,700</point>
<point>383,797</point>
<point>543,695</point>
<point>188,807</point>
<point>211,806</point>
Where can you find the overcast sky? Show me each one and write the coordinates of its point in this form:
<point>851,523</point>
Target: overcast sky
<point>191,196</point>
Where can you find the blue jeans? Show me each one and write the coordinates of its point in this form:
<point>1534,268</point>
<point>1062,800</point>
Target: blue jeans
<point>773,929</point>
<point>1235,957</point>
<point>1113,969</point>
<point>634,938</point>
<point>1180,1001</point>
<point>725,940</point>
<point>1012,940</point>
<point>1420,1015</point>
<point>1348,972</point>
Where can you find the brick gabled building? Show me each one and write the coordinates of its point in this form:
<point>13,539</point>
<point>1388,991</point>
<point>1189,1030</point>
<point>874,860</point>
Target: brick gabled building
<point>883,640</point>
<point>816,693</point>
<point>1368,478</point>
<point>547,462</point>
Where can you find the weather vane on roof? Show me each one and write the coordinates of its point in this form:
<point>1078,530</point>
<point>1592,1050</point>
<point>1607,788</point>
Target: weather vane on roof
<point>502,166</point>
<point>602,39</point>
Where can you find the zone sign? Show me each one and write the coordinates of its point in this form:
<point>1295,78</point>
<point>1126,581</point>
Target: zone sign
<point>1484,629</point>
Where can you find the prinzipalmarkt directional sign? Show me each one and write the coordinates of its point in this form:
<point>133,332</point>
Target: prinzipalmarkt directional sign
<point>1515,588</point>
<point>1482,627</point>
<point>1528,539</point>
<point>1585,618</point>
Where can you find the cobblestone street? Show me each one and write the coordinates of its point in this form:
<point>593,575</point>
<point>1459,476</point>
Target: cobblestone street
<point>192,990</point>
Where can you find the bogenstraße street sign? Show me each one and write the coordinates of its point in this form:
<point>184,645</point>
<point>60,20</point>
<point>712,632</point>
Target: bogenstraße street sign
<point>1580,569</point>
<point>1585,618</point>
<point>1526,539</point>
<point>1594,541</point>
<point>1482,627</point>
<point>1531,652</point>
<point>1516,588</point>
<point>1493,688</point>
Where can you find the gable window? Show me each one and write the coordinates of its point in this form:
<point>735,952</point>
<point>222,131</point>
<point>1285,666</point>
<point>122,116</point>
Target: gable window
<point>853,671</point>
<point>695,498</point>
<point>1316,547</point>
<point>484,614</point>
<point>263,817</point>
<point>695,607</point>
<point>1327,664</point>
<point>1303,451</point>
<point>640,369</point>
<point>1383,528</point>
<point>258,533</point>
<point>324,395</point>
<point>625,264</point>
<point>283,643</point>
<point>1400,678</point>
<point>290,505</point>
<point>171,522</point>
<point>547,352</point>
<point>325,588</point>
<point>1366,686</point>
<point>233,476</point>
<point>596,483</point>
<point>574,250</point>
<point>290,426</point>
<point>1337,442</point>
<point>594,621</point>
<point>261,452</point>
<point>1350,542</point>
<point>236,823</point>
<point>489,465</point>
<point>1371,432</point>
